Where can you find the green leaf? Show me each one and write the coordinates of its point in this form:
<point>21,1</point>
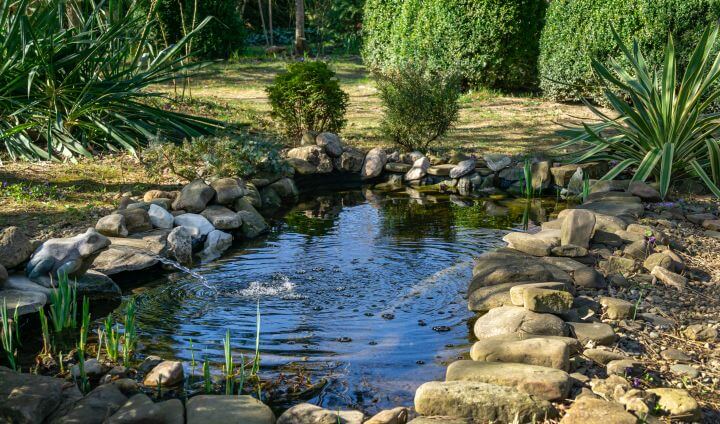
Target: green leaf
<point>666,168</point>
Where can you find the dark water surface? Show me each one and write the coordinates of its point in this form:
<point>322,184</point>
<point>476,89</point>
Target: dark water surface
<point>361,288</point>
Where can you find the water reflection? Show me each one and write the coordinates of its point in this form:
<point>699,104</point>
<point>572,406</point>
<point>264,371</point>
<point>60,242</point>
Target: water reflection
<point>363,288</point>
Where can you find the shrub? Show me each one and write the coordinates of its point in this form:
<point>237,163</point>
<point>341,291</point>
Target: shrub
<point>491,43</point>
<point>578,30</point>
<point>212,157</point>
<point>419,105</point>
<point>220,38</point>
<point>665,132</point>
<point>307,97</point>
<point>74,81</point>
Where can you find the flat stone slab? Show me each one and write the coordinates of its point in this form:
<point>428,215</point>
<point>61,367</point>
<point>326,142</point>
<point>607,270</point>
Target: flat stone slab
<point>25,302</point>
<point>678,403</point>
<point>514,319</point>
<point>441,170</point>
<point>479,402</point>
<point>306,413</point>
<point>596,332</point>
<point>117,259</point>
<point>206,409</point>
<point>540,351</point>
<point>542,382</point>
<point>590,410</point>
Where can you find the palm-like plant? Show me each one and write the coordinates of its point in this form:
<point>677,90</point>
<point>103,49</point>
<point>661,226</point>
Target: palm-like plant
<point>666,130</point>
<point>74,79</point>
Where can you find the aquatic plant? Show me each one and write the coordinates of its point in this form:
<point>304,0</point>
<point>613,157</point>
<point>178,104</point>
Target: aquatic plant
<point>192,358</point>
<point>130,332</point>
<point>85,325</point>
<point>527,174</point>
<point>7,336</point>
<point>47,341</point>
<point>16,322</point>
<point>228,368</point>
<point>101,333</point>
<point>112,339</point>
<point>207,380</point>
<point>63,305</point>
<point>585,188</point>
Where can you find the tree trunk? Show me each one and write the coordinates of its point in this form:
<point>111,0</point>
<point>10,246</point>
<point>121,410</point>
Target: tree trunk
<point>299,27</point>
<point>262,19</point>
<point>270,22</point>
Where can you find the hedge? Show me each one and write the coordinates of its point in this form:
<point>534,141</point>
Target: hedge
<point>491,43</point>
<point>577,30</point>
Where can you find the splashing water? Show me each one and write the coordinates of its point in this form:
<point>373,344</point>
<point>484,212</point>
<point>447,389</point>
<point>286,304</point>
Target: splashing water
<point>196,275</point>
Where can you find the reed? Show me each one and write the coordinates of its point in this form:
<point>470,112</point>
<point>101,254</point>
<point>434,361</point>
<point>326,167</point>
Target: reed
<point>130,332</point>
<point>63,305</point>
<point>228,368</point>
<point>85,325</point>
<point>7,336</point>
<point>112,339</point>
<point>47,341</point>
<point>207,380</point>
<point>527,173</point>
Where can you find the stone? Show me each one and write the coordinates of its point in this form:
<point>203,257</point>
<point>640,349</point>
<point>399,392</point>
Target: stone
<point>30,398</point>
<point>577,228</point>
<point>227,190</point>
<point>221,217</point>
<point>541,176</point>
<point>544,300</point>
<point>561,174</point>
<point>528,243</point>
<point>619,265</point>
<point>72,256</point>
<point>636,250</point>
<point>119,259</point>
<point>589,278</point>
<point>711,224</point>
<point>15,247</point>
<point>160,217</point>
<point>167,373</point>
<point>137,220</point>
<point>700,333</point>
<point>205,409</point>
<point>673,354</point>
<point>699,218</point>
<point>644,191</point>
<point>593,332</point>
<point>570,251</point>
<point>397,415</point>
<point>480,402</point>
<point>252,196</point>
<point>3,275</point>
<point>625,367</point>
<point>151,195</point>
<point>197,225</point>
<point>462,168</point>
<point>374,163</point>
<point>541,351</point>
<point>564,263</point>
<point>306,413</point>
<point>602,356</point>
<point>678,403</point>
<point>685,371</point>
<point>253,224</point>
<point>615,207</point>
<point>589,410</point>
<point>485,298</point>
<point>216,243</point>
<point>100,403</point>
<point>330,143</point>
<point>617,309</point>
<point>194,197</point>
<point>517,292</point>
<point>96,285</point>
<point>351,160</point>
<point>497,162</point>
<point>25,302</point>
<point>112,225</point>
<point>658,259</point>
<point>418,170</point>
<point>137,205</point>
<point>149,363</point>
<point>513,319</point>
<point>439,170</point>
<point>401,168</point>
<point>541,382</point>
<point>301,166</point>
<point>439,420</point>
<point>669,278</point>
<point>140,409</point>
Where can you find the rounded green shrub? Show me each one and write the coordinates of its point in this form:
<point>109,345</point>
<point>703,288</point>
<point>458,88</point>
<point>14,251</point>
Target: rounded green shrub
<point>492,43</point>
<point>578,30</point>
<point>307,97</point>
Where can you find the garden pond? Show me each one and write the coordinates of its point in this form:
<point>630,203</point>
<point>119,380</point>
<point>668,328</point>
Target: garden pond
<point>359,290</point>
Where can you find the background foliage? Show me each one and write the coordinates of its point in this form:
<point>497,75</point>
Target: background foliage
<point>490,43</point>
<point>576,31</point>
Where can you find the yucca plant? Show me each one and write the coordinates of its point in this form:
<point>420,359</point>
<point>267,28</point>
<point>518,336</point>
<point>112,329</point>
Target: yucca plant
<point>76,78</point>
<point>664,126</point>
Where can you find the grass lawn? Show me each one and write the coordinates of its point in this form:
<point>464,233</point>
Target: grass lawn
<point>54,199</point>
<point>489,121</point>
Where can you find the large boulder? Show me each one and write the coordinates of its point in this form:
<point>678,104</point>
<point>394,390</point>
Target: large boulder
<point>141,409</point>
<point>481,402</point>
<point>330,142</point>
<point>30,399</point>
<point>25,302</point>
<point>167,373</point>
<point>179,244</point>
<point>112,225</point>
<point>137,220</point>
<point>541,382</point>
<point>285,189</point>
<point>497,162</point>
<point>530,243</point>
<point>216,243</point>
<point>306,413</point>
<point>351,160</point>
<point>577,228</point>
<point>206,409</point>
<point>221,217</point>
<point>160,217</point>
<point>227,190</point>
<point>314,155</point>
<point>462,168</point>
<point>100,403</point>
<point>592,410</point>
<point>418,170</point>
<point>72,256</point>
<point>198,225</point>
<point>517,320</point>
<point>544,351</point>
<point>374,163</point>
<point>15,247</point>
<point>194,197</point>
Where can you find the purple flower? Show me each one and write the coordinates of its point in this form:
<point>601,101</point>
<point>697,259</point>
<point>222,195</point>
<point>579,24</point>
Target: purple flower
<point>636,382</point>
<point>651,240</point>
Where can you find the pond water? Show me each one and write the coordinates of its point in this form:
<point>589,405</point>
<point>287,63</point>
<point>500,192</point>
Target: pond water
<point>360,288</point>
